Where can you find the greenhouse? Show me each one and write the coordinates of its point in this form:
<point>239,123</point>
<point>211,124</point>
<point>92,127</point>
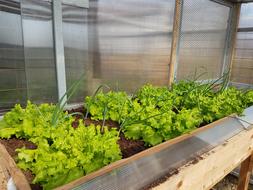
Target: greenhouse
<point>126,94</point>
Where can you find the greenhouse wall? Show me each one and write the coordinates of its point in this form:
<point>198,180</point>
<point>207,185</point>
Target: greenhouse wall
<point>123,44</point>
<point>76,43</point>
<point>243,58</point>
<point>203,39</point>
<point>12,67</point>
<point>38,42</point>
<point>131,42</point>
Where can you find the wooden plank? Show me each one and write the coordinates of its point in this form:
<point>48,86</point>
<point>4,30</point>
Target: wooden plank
<point>245,172</point>
<point>9,164</point>
<point>3,178</point>
<point>234,27</point>
<point>147,152</point>
<point>175,40</point>
<point>213,165</point>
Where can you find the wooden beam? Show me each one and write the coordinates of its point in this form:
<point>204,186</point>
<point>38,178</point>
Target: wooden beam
<point>213,165</point>
<point>175,40</point>
<point>233,31</point>
<point>3,178</point>
<point>245,172</point>
<point>8,164</point>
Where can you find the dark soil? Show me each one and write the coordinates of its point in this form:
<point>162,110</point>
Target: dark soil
<point>12,144</point>
<point>162,179</point>
<point>128,147</point>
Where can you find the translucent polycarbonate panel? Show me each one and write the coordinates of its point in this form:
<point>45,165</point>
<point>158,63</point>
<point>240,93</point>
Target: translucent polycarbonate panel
<point>75,37</point>
<point>242,68</point>
<point>246,15</point>
<point>143,171</point>
<point>203,38</point>
<point>12,66</point>
<point>129,42</point>
<point>39,50</point>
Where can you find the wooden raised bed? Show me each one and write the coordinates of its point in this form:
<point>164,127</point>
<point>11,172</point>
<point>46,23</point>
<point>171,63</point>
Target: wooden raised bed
<point>215,165</point>
<point>204,174</point>
<point>8,169</point>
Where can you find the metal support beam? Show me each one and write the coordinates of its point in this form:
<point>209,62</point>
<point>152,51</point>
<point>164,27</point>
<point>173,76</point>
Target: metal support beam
<point>78,3</point>
<point>175,40</point>
<point>233,33</point>
<point>226,56</point>
<point>248,29</point>
<point>59,49</point>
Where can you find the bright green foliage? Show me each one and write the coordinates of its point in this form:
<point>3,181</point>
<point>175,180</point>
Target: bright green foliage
<point>220,104</point>
<point>30,122</point>
<point>150,124</point>
<point>115,104</point>
<point>161,97</point>
<point>248,98</point>
<point>187,120</point>
<point>227,102</point>
<point>63,153</point>
<point>212,103</point>
<point>156,119</point>
<point>156,114</point>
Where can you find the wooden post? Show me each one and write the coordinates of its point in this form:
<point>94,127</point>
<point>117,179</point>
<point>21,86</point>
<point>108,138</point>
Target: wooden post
<point>245,172</point>
<point>234,28</point>
<point>175,39</point>
<point>4,176</point>
<point>8,164</point>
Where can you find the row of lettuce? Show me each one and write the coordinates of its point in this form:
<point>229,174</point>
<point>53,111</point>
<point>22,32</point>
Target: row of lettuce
<point>152,114</point>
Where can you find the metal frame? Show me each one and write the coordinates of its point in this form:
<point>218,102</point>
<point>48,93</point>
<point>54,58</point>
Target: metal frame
<point>78,3</point>
<point>59,49</point>
<point>225,64</point>
<point>248,29</point>
<point>175,43</point>
<point>177,28</point>
<point>243,86</point>
<point>223,2</point>
<point>59,43</point>
<point>233,34</point>
<point>23,42</point>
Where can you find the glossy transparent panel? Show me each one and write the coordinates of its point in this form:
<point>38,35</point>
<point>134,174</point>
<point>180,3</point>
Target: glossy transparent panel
<point>75,37</point>
<point>242,70</point>
<point>246,17</point>
<point>129,42</point>
<point>12,66</point>
<point>39,50</point>
<point>203,37</point>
